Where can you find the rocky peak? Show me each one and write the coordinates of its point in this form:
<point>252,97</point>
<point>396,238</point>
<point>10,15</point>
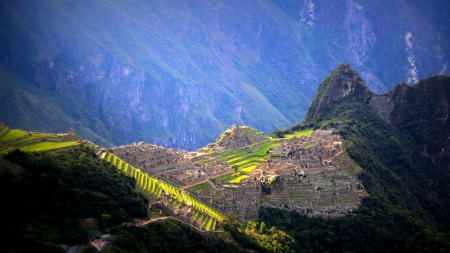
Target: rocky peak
<point>342,82</point>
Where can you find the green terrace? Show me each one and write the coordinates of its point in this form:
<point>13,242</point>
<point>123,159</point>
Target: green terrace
<point>176,197</point>
<point>245,159</point>
<point>11,139</point>
<point>298,134</point>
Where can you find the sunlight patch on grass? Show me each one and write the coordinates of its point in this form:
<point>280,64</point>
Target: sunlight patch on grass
<point>200,187</point>
<point>42,146</point>
<point>238,179</point>
<point>249,168</point>
<point>306,132</point>
<point>14,134</point>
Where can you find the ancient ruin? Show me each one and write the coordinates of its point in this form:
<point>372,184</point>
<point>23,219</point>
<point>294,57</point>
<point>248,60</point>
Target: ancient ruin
<point>244,169</point>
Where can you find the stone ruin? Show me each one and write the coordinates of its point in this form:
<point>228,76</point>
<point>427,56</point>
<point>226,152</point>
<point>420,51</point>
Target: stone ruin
<point>236,136</point>
<point>170,164</point>
<point>311,175</point>
<point>242,198</point>
<point>314,176</point>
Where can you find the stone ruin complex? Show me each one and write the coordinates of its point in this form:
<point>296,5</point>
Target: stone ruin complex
<point>314,176</point>
<point>170,164</point>
<point>236,136</point>
<point>311,174</point>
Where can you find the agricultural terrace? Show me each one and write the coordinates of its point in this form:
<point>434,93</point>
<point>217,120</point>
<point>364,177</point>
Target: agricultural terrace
<point>177,197</point>
<point>245,159</point>
<point>200,187</point>
<point>305,132</point>
<point>44,146</point>
<point>11,139</point>
<point>14,134</point>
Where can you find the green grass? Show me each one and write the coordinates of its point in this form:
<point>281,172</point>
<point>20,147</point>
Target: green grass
<point>306,132</point>
<point>249,168</point>
<point>238,179</point>
<point>14,134</point>
<point>225,177</point>
<point>251,160</point>
<point>43,146</point>
<point>200,187</point>
<point>263,151</point>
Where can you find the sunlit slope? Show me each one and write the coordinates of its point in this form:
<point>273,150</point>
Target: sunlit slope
<point>11,139</point>
<point>176,197</point>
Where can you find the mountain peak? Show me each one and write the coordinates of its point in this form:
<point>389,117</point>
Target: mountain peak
<point>342,82</point>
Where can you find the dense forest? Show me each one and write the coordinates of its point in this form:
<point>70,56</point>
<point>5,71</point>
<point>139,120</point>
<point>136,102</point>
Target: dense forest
<point>46,200</point>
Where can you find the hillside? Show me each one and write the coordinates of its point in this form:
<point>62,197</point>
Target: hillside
<point>408,188</point>
<point>176,73</point>
<point>354,176</point>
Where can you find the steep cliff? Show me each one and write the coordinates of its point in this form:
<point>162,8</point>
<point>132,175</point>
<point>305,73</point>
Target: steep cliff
<point>342,82</point>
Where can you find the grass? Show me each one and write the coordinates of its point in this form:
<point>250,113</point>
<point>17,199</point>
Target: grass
<point>14,134</point>
<point>43,146</point>
<point>254,159</point>
<point>306,132</point>
<point>224,177</point>
<point>238,179</point>
<point>249,168</point>
<point>200,187</point>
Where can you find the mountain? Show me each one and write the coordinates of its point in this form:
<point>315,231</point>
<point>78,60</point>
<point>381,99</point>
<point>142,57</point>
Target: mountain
<point>404,166</point>
<point>420,110</point>
<point>178,73</point>
<point>403,209</point>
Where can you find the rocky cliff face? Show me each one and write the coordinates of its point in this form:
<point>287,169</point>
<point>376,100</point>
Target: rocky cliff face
<point>342,82</point>
<point>163,71</point>
<point>420,110</point>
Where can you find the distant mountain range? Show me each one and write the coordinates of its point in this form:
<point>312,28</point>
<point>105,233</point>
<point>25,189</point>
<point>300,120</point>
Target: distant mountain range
<point>178,73</point>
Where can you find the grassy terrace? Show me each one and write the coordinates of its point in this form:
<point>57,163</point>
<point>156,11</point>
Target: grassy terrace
<point>44,146</point>
<point>177,197</point>
<point>200,187</point>
<point>14,134</point>
<point>19,139</point>
<point>306,132</point>
<point>247,161</point>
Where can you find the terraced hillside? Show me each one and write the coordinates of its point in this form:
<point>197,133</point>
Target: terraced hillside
<point>306,171</point>
<point>11,139</point>
<point>178,202</point>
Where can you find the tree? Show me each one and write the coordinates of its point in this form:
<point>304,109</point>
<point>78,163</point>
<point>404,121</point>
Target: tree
<point>104,219</point>
<point>235,167</point>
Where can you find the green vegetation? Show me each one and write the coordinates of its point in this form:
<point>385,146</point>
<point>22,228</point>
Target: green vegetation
<point>177,197</point>
<point>238,179</point>
<point>55,191</point>
<point>19,139</point>
<point>14,134</point>
<point>200,187</point>
<point>245,161</point>
<point>408,194</point>
<point>43,146</point>
<point>298,134</point>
